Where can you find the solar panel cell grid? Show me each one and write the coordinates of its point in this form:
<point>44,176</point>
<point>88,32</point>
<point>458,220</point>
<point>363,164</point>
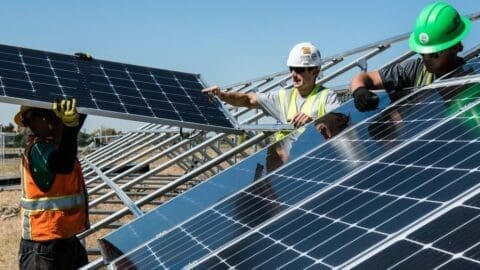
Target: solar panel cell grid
<point>453,238</point>
<point>109,88</point>
<point>361,225</point>
<point>197,199</point>
<point>339,239</point>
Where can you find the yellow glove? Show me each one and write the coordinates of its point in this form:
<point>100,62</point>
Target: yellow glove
<point>66,110</point>
<point>83,56</point>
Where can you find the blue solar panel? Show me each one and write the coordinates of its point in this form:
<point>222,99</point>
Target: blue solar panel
<point>107,88</point>
<point>451,241</point>
<point>469,68</point>
<point>206,194</point>
<point>285,188</point>
<point>367,208</point>
<point>195,200</point>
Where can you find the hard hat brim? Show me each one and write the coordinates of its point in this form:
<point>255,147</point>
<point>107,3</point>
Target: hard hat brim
<point>18,119</point>
<point>422,49</point>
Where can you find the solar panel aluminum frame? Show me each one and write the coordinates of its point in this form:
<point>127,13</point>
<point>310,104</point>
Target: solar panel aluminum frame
<point>125,116</point>
<point>126,137</point>
<point>175,159</point>
<point>222,108</point>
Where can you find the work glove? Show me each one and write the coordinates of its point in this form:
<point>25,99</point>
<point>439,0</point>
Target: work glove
<point>83,56</point>
<point>66,110</point>
<point>364,99</point>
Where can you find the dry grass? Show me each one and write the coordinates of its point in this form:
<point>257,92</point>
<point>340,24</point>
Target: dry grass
<point>10,168</point>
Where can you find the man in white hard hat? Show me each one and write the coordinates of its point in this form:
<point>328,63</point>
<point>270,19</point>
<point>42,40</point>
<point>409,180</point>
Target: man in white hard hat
<point>299,105</point>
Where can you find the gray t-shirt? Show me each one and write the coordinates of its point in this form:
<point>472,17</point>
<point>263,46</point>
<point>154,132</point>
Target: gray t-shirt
<point>405,74</point>
<point>402,75</point>
<point>270,103</point>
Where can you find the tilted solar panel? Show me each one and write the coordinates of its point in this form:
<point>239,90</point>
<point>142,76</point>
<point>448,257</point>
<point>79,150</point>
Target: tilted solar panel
<point>450,241</point>
<point>32,77</point>
<point>207,193</point>
<point>235,220</point>
<point>359,213</point>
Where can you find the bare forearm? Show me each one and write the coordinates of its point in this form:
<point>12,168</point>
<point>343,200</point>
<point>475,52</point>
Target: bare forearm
<point>369,80</point>
<point>239,99</point>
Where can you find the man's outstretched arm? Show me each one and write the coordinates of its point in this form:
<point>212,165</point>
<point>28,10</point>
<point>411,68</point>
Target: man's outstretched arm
<point>248,100</point>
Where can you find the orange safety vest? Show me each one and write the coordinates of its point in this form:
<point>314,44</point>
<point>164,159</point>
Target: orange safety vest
<point>58,213</point>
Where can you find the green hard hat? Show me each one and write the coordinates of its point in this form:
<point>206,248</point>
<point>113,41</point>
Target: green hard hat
<point>438,28</point>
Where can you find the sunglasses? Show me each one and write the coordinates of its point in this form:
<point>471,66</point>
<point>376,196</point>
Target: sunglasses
<point>431,55</point>
<point>299,70</point>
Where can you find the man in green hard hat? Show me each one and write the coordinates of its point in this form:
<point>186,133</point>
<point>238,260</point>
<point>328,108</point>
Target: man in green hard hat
<point>437,37</point>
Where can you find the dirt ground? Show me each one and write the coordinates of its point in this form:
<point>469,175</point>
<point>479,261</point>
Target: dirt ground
<point>10,228</point>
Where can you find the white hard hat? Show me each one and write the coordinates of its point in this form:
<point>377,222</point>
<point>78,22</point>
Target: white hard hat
<point>304,54</point>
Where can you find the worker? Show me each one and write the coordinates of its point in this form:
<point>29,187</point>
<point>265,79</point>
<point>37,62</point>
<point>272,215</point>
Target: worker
<point>298,105</point>
<point>437,37</point>
<point>54,201</point>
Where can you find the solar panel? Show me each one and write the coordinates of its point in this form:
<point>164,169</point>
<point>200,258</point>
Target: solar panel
<point>469,68</point>
<point>282,190</point>
<point>450,241</point>
<point>366,209</point>
<point>206,194</point>
<point>32,77</point>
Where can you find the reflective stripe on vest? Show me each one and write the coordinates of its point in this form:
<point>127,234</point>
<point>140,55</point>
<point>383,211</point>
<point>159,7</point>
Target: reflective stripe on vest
<point>58,213</point>
<point>53,203</point>
<point>424,78</point>
<point>313,101</point>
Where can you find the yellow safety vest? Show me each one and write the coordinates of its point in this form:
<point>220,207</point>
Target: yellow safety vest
<point>425,78</point>
<point>289,107</point>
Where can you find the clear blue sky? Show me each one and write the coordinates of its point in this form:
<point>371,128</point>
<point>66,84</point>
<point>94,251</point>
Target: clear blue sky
<point>225,41</point>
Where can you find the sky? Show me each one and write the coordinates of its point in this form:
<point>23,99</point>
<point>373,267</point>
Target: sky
<point>224,41</point>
